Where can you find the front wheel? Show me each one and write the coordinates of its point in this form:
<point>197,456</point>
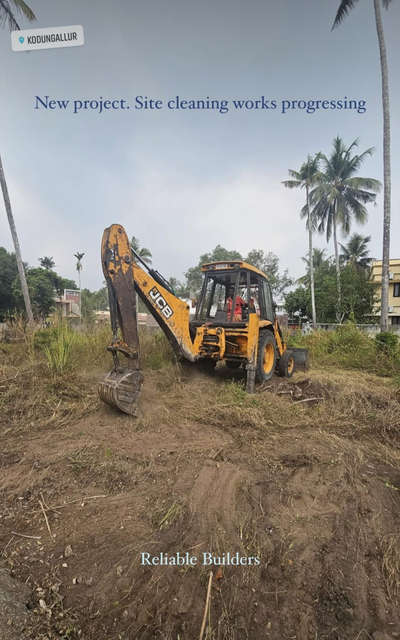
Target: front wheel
<point>266,358</point>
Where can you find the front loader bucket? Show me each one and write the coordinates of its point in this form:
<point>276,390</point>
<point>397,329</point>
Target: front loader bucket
<point>121,389</point>
<point>300,357</point>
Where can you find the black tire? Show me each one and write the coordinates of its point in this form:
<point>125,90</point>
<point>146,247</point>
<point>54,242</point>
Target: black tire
<point>233,364</point>
<point>266,357</point>
<point>286,365</point>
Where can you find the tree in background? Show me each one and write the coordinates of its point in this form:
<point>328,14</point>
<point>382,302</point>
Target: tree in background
<point>46,262</point>
<point>142,252</point>
<point>305,178</point>
<point>358,293</point>
<point>181,290</point>
<point>20,265</point>
<point>8,9</point>
<point>268,263</point>
<point>356,251</point>
<point>93,301</point>
<point>147,256</point>
<point>44,286</point>
<point>194,275</point>
<point>344,8</point>
<point>341,196</point>
<point>8,273</point>
<point>318,258</point>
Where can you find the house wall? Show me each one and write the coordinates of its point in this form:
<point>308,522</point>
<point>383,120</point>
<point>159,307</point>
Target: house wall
<point>394,287</point>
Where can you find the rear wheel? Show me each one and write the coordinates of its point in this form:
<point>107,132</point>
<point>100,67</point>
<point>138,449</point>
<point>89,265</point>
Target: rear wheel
<point>286,365</point>
<point>266,358</point>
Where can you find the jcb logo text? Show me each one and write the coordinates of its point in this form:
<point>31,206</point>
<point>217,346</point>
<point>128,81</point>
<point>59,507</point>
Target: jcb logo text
<point>159,301</point>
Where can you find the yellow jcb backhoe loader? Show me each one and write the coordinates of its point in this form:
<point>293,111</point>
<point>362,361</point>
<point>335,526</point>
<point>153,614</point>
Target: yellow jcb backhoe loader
<point>234,320</point>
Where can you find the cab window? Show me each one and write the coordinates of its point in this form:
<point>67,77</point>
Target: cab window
<point>267,306</point>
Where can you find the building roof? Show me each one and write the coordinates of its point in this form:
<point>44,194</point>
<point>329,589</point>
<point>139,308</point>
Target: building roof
<point>392,261</point>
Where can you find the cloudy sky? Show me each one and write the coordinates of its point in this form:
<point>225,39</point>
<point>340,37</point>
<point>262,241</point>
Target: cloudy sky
<point>185,181</point>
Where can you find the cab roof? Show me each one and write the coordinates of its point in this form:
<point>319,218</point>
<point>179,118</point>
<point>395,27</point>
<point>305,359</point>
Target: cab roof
<point>230,265</point>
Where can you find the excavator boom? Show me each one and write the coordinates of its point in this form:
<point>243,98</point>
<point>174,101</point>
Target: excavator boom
<point>122,385</point>
<point>125,277</point>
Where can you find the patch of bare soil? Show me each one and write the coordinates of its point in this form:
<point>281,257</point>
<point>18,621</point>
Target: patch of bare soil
<point>294,507</point>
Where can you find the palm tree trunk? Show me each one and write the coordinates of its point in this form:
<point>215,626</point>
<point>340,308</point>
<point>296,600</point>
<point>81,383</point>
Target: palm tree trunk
<point>338,283</point>
<point>311,261</point>
<point>80,297</point>
<point>386,168</point>
<point>21,271</point>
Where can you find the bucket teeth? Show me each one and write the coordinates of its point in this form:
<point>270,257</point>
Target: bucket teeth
<point>121,389</point>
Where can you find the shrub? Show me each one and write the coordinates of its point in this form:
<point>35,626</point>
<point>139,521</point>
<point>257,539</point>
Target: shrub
<point>350,348</point>
<point>387,342</point>
<point>58,351</point>
<point>42,338</point>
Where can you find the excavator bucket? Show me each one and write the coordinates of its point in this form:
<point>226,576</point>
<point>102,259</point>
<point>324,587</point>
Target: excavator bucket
<point>121,387</point>
<point>300,357</point>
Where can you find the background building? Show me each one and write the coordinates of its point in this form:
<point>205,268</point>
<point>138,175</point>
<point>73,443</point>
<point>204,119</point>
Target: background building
<point>68,305</point>
<point>394,288</point>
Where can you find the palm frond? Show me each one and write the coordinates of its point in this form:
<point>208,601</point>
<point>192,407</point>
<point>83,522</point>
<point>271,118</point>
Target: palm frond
<point>291,184</point>
<point>359,194</point>
<point>344,8</point>
<point>22,7</point>
<point>304,211</point>
<point>355,162</point>
<point>7,16</point>
<point>8,9</point>
<point>363,183</point>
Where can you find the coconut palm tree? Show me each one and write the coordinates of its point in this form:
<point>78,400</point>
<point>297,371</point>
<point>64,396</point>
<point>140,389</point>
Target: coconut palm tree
<point>341,196</point>
<point>318,261</point>
<point>8,9</point>
<point>142,252</point>
<point>318,258</point>
<point>356,251</point>
<point>344,8</point>
<point>46,262</point>
<point>305,178</point>
<point>79,257</point>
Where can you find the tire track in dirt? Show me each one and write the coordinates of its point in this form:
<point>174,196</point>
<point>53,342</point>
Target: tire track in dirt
<point>213,496</point>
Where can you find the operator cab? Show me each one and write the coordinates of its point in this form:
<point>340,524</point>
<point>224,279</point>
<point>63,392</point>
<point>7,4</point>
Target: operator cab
<point>230,292</point>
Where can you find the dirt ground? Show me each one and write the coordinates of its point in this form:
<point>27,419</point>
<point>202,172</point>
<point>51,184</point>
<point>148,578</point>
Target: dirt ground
<point>304,476</point>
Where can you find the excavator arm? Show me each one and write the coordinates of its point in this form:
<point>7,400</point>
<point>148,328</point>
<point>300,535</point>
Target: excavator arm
<point>125,277</point>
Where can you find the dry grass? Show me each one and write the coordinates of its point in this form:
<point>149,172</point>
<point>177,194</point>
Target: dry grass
<point>323,487</point>
<point>49,376</point>
<point>390,546</point>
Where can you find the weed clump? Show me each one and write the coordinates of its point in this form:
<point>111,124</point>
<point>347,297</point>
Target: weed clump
<point>388,343</point>
<point>58,351</point>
